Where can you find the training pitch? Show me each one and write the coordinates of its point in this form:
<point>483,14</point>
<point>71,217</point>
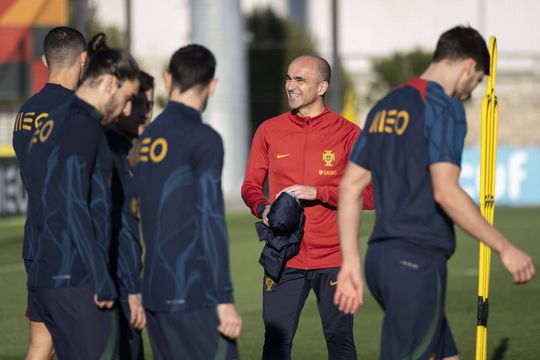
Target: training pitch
<point>513,326</point>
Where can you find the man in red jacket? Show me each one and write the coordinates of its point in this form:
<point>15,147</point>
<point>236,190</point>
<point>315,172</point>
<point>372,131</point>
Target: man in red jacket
<point>304,152</point>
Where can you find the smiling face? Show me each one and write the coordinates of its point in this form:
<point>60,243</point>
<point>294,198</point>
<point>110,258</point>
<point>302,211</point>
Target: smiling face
<point>305,86</point>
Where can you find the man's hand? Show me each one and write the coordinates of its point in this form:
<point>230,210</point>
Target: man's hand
<point>518,263</point>
<point>349,294</point>
<point>264,215</point>
<point>461,209</point>
<point>301,192</point>
<point>137,317</point>
<point>108,304</point>
<point>230,322</point>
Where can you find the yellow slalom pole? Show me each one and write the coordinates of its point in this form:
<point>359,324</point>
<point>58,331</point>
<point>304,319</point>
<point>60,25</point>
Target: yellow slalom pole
<point>488,159</point>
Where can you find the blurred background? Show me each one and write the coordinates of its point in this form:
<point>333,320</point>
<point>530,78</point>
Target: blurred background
<point>372,45</point>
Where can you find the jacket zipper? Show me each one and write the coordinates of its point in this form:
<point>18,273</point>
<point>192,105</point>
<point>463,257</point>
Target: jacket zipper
<point>307,128</point>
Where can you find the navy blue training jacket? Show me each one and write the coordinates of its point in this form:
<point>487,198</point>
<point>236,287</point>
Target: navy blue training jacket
<point>71,169</point>
<point>125,242</point>
<point>178,177</point>
<point>28,119</point>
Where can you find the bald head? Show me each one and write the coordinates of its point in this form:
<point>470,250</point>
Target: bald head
<point>306,84</point>
<point>315,62</point>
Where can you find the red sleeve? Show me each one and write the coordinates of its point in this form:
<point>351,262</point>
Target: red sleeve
<point>369,201</point>
<point>256,171</point>
<point>328,194</point>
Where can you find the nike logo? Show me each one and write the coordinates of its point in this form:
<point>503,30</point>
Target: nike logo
<point>279,156</point>
<point>332,283</point>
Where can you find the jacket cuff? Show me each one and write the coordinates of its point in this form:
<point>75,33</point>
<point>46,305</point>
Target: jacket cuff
<point>225,297</point>
<point>137,285</point>
<point>260,209</point>
<point>322,194</point>
<point>107,294</point>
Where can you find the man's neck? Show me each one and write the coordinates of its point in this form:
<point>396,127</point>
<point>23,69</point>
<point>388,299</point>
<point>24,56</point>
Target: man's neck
<point>63,78</point>
<point>86,94</point>
<point>312,110</point>
<point>192,98</point>
<point>444,73</point>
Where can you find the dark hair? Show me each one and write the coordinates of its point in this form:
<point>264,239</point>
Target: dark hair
<point>62,46</point>
<point>192,65</point>
<point>113,62</point>
<point>146,81</point>
<point>463,42</point>
<point>97,43</point>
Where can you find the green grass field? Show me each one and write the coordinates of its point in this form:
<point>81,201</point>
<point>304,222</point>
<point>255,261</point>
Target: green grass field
<point>514,322</point>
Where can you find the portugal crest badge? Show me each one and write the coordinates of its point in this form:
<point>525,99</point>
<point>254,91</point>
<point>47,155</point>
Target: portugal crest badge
<point>329,157</point>
<point>269,283</point>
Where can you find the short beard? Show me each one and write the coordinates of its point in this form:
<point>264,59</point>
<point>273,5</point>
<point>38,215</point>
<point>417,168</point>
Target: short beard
<point>109,110</point>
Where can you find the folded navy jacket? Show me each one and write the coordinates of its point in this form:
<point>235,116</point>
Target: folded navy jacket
<point>283,235</point>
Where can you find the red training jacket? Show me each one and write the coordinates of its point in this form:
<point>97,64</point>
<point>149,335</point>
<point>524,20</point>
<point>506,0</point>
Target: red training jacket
<point>313,151</point>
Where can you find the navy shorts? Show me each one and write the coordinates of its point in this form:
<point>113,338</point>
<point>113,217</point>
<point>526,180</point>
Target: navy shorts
<point>79,329</point>
<point>188,335</point>
<point>283,302</point>
<point>409,282</point>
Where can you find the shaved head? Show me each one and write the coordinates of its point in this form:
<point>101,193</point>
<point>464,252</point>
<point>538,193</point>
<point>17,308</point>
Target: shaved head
<point>306,83</point>
<point>63,46</point>
<point>322,66</point>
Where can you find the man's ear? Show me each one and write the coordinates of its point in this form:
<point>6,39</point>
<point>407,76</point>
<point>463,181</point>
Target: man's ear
<point>167,78</point>
<point>212,86</point>
<point>323,87</point>
<point>44,61</point>
<point>83,58</point>
<point>109,84</point>
<point>470,66</point>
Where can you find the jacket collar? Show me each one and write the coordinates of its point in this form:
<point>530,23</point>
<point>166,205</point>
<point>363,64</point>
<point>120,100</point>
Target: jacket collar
<point>302,120</point>
<point>56,89</point>
<point>187,111</point>
<point>87,108</point>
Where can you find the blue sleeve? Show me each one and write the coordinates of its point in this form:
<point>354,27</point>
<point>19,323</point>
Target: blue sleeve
<point>129,246</point>
<point>445,130</point>
<point>207,163</point>
<point>86,184</point>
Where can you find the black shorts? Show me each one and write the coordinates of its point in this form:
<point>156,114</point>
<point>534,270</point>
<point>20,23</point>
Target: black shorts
<point>409,282</point>
<point>188,335</point>
<point>79,329</point>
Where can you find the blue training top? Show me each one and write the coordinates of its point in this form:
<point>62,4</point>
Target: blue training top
<point>125,242</point>
<point>178,177</point>
<point>29,117</point>
<point>71,168</point>
<point>412,127</point>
